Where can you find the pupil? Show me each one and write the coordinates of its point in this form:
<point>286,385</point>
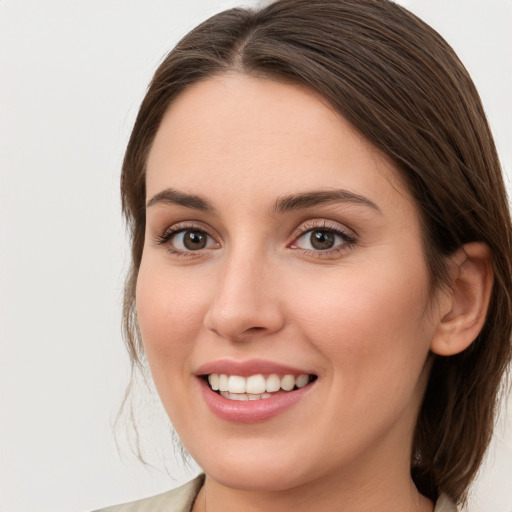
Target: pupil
<point>194,240</point>
<point>322,240</point>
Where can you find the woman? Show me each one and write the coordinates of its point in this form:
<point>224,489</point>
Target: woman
<point>321,267</point>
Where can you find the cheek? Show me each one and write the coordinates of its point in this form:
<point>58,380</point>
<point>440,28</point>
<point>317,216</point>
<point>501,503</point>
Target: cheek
<point>170,310</point>
<point>369,322</point>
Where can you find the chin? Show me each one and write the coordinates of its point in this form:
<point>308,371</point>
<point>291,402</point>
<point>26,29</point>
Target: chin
<point>257,469</point>
<point>250,477</point>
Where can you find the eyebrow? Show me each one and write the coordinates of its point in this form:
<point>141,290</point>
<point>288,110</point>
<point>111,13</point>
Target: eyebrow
<point>172,196</point>
<point>283,204</point>
<point>315,198</point>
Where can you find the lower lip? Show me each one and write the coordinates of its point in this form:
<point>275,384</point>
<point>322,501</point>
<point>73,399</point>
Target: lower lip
<point>251,411</point>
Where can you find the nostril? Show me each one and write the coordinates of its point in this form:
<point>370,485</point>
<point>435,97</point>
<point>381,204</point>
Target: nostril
<point>240,320</point>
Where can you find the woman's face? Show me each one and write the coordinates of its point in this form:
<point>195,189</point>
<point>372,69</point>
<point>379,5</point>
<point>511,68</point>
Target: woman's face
<point>282,248</point>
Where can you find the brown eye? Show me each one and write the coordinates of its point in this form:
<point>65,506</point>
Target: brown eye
<point>187,240</point>
<point>194,240</point>
<point>322,240</point>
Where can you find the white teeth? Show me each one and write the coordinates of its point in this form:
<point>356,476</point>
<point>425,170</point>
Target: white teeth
<point>256,386</point>
<point>236,384</point>
<point>237,396</point>
<point>243,397</point>
<point>288,382</point>
<point>273,383</point>
<point>223,382</point>
<point>213,379</point>
<point>301,381</point>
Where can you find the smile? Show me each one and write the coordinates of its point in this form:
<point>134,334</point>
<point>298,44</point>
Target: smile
<point>254,390</point>
<point>256,387</point>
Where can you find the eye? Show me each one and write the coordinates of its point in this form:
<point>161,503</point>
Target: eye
<point>191,240</point>
<point>323,239</point>
<point>320,240</point>
<point>184,240</point>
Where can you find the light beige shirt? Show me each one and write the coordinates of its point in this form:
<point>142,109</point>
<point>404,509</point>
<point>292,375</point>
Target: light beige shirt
<point>182,499</point>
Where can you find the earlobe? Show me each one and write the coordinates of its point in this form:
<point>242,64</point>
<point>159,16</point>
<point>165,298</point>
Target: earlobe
<point>466,302</point>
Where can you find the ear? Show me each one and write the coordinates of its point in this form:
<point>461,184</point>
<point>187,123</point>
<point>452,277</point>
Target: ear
<point>464,305</point>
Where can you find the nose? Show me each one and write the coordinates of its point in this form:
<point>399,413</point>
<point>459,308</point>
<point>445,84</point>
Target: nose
<point>246,300</point>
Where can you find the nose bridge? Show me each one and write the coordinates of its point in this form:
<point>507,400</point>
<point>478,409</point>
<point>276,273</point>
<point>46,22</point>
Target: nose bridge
<point>245,301</point>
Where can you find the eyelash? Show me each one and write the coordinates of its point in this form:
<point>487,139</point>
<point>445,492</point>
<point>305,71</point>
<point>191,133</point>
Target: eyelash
<point>175,230</point>
<point>348,240</point>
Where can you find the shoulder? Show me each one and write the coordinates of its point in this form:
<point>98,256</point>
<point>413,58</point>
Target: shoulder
<point>445,504</point>
<point>176,500</point>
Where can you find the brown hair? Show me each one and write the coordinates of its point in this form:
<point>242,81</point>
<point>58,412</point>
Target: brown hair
<point>402,86</point>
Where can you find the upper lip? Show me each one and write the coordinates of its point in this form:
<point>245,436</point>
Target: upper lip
<point>249,367</point>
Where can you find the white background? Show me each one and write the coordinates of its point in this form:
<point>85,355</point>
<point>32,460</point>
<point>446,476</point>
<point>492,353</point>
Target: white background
<point>71,78</point>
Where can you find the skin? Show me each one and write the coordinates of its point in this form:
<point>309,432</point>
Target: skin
<point>359,316</point>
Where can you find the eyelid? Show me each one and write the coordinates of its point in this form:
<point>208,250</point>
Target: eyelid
<point>165,238</point>
<point>321,223</point>
<point>349,237</point>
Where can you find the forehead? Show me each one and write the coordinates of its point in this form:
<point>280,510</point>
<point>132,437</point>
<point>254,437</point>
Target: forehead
<point>257,135</point>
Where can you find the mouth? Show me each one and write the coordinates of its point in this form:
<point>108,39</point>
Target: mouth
<point>254,390</point>
<point>256,387</point>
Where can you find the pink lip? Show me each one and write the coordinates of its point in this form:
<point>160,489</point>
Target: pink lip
<point>247,368</point>
<point>251,411</point>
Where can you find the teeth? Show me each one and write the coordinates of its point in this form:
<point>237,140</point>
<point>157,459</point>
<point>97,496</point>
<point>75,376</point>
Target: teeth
<point>288,382</point>
<point>213,379</point>
<point>273,383</point>
<point>254,387</point>
<point>223,382</point>
<point>243,397</point>
<point>301,381</point>
<point>236,384</point>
